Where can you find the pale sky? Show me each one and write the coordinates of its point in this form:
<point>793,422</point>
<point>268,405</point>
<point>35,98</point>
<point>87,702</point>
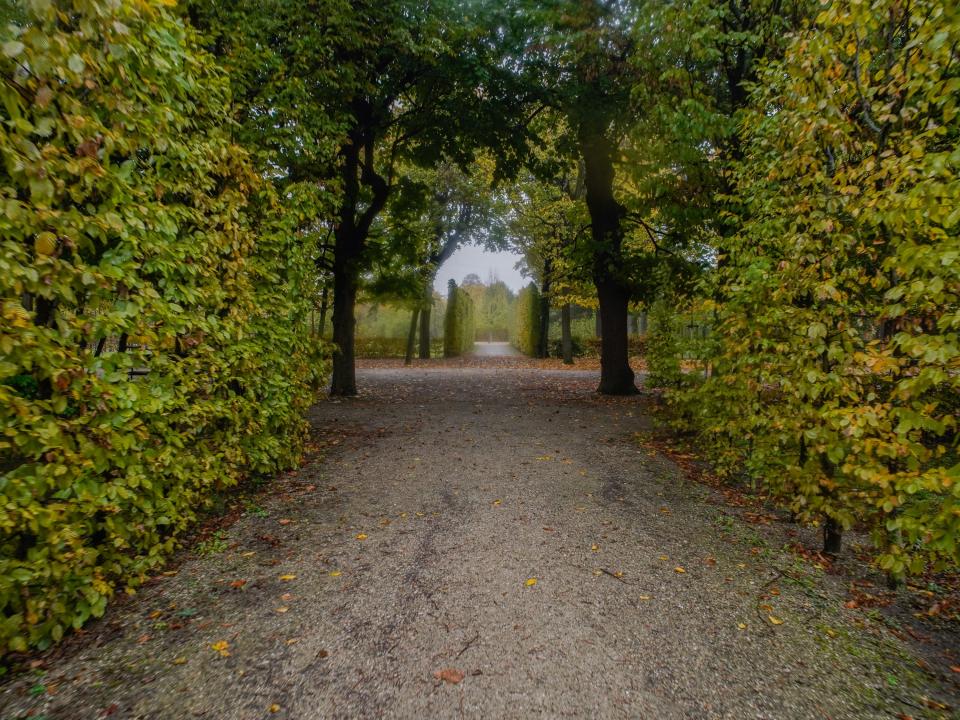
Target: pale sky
<point>473,259</point>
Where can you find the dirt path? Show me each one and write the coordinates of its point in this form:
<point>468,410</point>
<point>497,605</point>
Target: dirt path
<point>412,548</point>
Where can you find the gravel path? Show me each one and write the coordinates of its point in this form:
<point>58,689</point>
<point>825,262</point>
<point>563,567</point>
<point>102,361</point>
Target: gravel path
<point>500,525</point>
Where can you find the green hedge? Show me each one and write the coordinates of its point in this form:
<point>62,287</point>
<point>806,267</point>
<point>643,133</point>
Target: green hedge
<point>150,302</point>
<point>458,323</point>
<point>526,327</point>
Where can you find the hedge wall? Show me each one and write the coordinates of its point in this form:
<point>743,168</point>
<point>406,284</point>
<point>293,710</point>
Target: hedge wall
<point>526,329</point>
<point>150,303</point>
<point>458,324</point>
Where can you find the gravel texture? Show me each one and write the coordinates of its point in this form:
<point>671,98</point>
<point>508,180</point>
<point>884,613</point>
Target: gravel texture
<point>408,546</point>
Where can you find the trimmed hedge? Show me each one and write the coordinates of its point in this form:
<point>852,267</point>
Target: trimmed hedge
<point>150,308</point>
<point>458,323</point>
<point>526,328</point>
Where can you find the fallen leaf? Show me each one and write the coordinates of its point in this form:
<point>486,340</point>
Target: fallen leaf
<point>497,502</point>
<point>286,597</point>
<point>595,548</point>
<point>180,661</point>
<point>248,554</point>
<point>238,583</point>
<point>288,578</point>
<point>282,609</point>
<point>955,668</point>
<point>335,573</point>
<point>774,620</point>
<point>531,582</point>
<point>679,569</point>
<point>664,557</point>
<point>274,708</point>
<point>645,597</point>
<point>285,521</point>
<point>742,626</point>
<point>222,647</point>
<point>362,536</point>
<point>449,675</point>
<point>143,638</point>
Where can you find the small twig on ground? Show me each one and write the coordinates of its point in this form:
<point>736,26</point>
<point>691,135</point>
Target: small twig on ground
<point>613,575</point>
<point>467,646</point>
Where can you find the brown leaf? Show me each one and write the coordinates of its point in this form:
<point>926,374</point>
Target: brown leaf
<point>238,583</point>
<point>449,675</point>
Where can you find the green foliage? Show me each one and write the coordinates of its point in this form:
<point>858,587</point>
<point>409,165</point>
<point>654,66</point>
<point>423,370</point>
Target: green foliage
<point>459,323</point>
<point>838,351</point>
<point>526,329</point>
<point>663,345</point>
<point>152,301</point>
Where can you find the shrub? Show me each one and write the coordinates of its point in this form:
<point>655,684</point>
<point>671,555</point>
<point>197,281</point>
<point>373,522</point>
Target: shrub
<point>838,322</point>
<point>458,323</point>
<point>150,345</point>
<point>526,329</point>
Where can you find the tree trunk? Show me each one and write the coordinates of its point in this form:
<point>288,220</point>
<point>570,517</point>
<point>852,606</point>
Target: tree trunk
<point>616,377</point>
<point>566,340</point>
<point>832,537</point>
<point>344,380</point>
<point>425,321</point>
<point>411,337</point>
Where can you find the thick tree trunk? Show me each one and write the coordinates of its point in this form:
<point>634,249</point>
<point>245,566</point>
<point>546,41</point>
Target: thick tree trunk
<point>832,537</point>
<point>616,376</point>
<point>425,321</point>
<point>606,214</point>
<point>344,380</point>
<point>411,336</point>
<point>566,339</point>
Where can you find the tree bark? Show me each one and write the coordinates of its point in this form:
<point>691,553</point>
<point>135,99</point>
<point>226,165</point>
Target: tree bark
<point>832,537</point>
<point>566,339</point>
<point>411,336</point>
<point>606,214</point>
<point>344,380</point>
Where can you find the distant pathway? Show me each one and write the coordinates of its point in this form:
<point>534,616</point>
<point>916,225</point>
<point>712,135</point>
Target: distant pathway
<point>494,349</point>
<point>482,544</point>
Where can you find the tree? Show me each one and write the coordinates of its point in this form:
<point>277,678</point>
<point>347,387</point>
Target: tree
<point>426,85</point>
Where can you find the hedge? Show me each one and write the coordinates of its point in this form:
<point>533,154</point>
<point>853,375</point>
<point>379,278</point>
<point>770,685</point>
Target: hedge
<point>836,352</point>
<point>150,351</point>
<point>458,323</point>
<point>526,328</point>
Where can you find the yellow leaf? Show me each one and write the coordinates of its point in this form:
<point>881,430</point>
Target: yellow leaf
<point>531,582</point>
<point>335,573</point>
<point>282,609</point>
<point>180,661</point>
<point>288,578</point>
<point>679,569</point>
<point>274,708</point>
<point>664,557</point>
<point>496,502</point>
<point>595,547</point>
<point>362,536</point>
<point>645,597</point>
<point>222,647</point>
<point>248,554</point>
<point>742,626</point>
<point>774,620</point>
